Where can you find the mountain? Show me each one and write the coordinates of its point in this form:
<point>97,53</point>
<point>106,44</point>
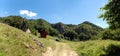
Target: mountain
<point>87,30</point>
<point>83,31</point>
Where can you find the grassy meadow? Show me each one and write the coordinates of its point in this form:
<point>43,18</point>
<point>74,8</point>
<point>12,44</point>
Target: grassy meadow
<point>96,47</point>
<point>15,42</point>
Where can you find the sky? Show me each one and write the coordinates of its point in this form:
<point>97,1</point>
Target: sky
<point>53,11</point>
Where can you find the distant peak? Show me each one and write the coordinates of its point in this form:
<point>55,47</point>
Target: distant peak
<point>87,22</point>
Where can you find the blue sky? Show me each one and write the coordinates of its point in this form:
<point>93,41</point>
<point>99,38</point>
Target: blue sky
<point>66,11</point>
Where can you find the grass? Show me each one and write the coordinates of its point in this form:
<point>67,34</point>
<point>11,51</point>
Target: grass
<point>93,47</point>
<point>49,42</point>
<point>14,42</point>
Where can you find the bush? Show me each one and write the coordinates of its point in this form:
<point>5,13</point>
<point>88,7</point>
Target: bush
<point>71,35</point>
<point>111,34</point>
<point>53,32</point>
<point>83,36</point>
<point>107,34</point>
<point>112,50</point>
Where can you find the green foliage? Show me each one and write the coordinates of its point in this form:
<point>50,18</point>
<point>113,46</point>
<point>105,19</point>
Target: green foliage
<point>87,30</point>
<point>32,25</point>
<point>71,34</point>
<point>112,50</point>
<point>111,34</point>
<point>84,31</point>
<point>35,26</point>
<point>112,13</point>
<point>83,36</point>
<point>42,24</point>
<point>15,21</point>
<point>107,34</point>
<point>53,32</point>
<point>59,26</point>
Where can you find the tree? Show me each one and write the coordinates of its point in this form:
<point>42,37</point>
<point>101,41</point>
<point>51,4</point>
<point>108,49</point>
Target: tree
<point>83,36</point>
<point>107,34</point>
<point>60,27</point>
<point>70,34</point>
<point>112,13</point>
<point>16,21</point>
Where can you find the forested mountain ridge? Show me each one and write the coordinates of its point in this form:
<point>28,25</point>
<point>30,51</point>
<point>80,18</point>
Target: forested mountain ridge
<point>83,31</point>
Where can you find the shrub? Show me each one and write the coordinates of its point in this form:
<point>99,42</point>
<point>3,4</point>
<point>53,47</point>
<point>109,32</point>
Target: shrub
<point>111,34</point>
<point>112,50</point>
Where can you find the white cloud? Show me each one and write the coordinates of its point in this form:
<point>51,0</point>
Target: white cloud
<point>28,13</point>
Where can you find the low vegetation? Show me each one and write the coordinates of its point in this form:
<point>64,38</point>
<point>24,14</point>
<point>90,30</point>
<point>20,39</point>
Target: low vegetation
<point>96,47</point>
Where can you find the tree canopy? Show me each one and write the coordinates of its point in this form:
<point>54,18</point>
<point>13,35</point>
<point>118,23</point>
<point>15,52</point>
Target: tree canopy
<point>111,13</point>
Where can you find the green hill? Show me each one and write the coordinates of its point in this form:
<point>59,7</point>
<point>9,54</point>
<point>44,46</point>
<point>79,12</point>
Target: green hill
<point>15,42</point>
<point>87,30</point>
<point>80,32</point>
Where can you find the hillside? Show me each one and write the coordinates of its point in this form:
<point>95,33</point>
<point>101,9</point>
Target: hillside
<point>14,42</point>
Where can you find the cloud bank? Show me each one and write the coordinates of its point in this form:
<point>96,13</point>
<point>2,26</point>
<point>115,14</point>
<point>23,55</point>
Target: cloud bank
<point>28,13</point>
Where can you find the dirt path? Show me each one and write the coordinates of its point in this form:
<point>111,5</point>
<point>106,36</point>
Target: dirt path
<point>62,49</point>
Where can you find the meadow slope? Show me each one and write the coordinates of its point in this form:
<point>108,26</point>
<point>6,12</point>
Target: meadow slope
<point>15,42</point>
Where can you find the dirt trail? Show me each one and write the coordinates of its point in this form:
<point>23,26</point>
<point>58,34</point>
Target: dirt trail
<point>62,49</point>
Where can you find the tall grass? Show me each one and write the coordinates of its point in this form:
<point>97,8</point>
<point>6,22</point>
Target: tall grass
<point>93,47</point>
